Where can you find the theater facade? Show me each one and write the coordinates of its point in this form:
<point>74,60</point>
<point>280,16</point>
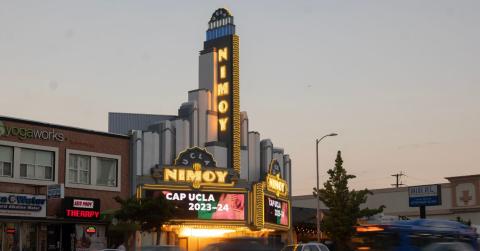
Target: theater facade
<point>225,181</point>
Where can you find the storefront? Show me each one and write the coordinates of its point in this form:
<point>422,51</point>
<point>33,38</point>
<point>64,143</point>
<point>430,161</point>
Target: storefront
<point>83,228</point>
<point>20,222</point>
<point>56,182</point>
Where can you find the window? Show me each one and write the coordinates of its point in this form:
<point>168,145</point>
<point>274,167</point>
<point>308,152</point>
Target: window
<point>90,170</point>
<point>36,164</point>
<point>106,172</point>
<point>6,161</point>
<point>79,169</point>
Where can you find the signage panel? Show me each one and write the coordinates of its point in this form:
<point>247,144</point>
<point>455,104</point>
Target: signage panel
<point>194,166</point>
<point>81,208</point>
<point>227,92</point>
<point>429,195</point>
<point>23,205</point>
<point>204,205</point>
<point>276,211</point>
<point>56,191</point>
<point>274,181</point>
<point>23,133</point>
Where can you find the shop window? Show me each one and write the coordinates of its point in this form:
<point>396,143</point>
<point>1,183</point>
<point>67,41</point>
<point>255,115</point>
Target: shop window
<point>79,169</point>
<point>36,164</point>
<point>106,172</point>
<point>6,161</point>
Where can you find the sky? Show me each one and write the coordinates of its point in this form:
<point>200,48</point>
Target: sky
<point>399,81</point>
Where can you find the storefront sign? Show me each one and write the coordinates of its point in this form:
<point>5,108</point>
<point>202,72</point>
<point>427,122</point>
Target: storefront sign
<point>429,195</point>
<point>10,230</point>
<point>30,133</point>
<point>55,191</point>
<point>276,211</point>
<point>23,205</point>
<point>91,230</point>
<point>204,205</point>
<point>81,208</point>
<point>275,183</point>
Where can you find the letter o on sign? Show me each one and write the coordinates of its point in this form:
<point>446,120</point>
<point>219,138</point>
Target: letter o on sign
<point>209,176</point>
<point>223,106</point>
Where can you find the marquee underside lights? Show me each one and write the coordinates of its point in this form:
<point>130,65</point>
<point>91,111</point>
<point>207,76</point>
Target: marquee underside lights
<point>206,233</point>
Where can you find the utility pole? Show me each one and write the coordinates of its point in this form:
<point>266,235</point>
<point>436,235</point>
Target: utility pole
<point>398,179</point>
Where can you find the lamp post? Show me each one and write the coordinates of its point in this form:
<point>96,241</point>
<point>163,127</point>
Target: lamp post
<point>318,184</point>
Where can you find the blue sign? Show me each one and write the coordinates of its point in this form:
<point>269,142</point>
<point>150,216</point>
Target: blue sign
<point>55,191</point>
<point>429,195</point>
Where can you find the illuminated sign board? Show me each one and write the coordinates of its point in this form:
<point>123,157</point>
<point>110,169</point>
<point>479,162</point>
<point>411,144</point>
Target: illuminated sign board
<point>274,182</point>
<point>196,176</point>
<point>227,93</point>
<point>23,205</point>
<point>189,169</point>
<point>223,89</point>
<point>204,205</point>
<point>91,230</point>
<point>276,185</point>
<point>10,230</point>
<point>30,133</point>
<point>276,211</point>
<point>81,208</point>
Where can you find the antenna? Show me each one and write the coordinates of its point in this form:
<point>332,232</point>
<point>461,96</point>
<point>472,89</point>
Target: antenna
<point>398,179</point>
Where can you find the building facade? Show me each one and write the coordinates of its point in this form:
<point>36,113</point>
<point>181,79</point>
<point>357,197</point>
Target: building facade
<point>224,178</point>
<point>460,200</point>
<point>56,184</point>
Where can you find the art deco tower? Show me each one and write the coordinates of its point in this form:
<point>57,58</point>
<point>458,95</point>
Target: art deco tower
<point>219,73</point>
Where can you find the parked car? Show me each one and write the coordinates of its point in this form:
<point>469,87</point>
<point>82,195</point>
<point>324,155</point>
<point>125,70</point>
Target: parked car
<point>162,248</point>
<point>312,246</point>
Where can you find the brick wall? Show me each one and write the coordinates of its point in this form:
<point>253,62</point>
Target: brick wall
<point>75,139</point>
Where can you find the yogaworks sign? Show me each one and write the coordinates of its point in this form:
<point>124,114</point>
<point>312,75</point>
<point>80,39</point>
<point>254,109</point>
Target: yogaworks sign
<point>30,133</point>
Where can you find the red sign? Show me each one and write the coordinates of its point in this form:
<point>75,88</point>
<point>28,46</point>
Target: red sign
<point>81,208</point>
<point>91,230</point>
<point>87,214</point>
<point>10,230</point>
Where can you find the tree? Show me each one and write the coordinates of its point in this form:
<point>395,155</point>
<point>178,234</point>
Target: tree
<point>344,205</point>
<point>149,214</point>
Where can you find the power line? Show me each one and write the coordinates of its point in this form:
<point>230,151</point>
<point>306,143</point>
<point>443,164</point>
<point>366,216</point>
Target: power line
<point>398,179</point>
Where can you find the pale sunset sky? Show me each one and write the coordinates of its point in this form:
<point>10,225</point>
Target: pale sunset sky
<point>399,81</point>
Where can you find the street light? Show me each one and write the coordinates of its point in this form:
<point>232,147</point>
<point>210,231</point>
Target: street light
<point>318,178</point>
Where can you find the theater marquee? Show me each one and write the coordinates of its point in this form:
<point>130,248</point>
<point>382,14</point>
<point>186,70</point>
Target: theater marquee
<point>202,192</point>
<point>272,202</point>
